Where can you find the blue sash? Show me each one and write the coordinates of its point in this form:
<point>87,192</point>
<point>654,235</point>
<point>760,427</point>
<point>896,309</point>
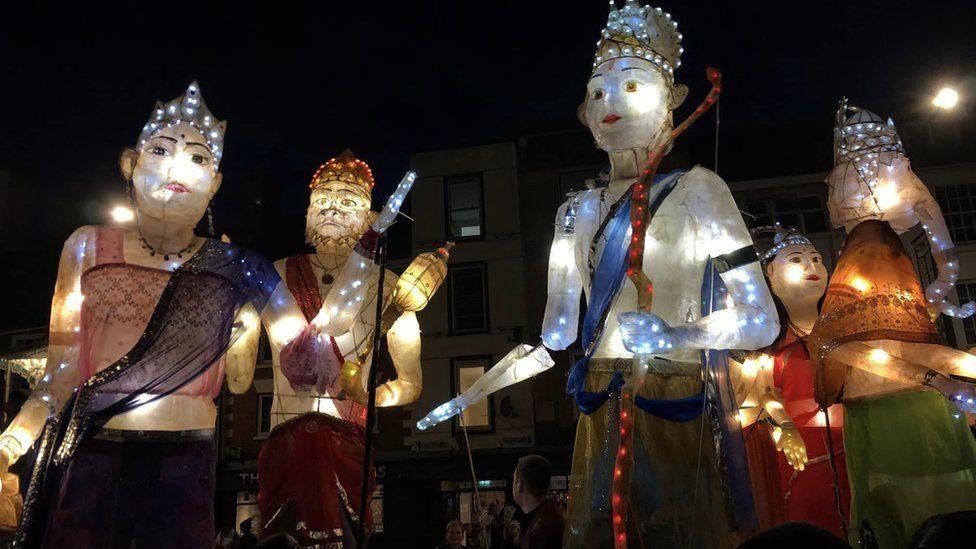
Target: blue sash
<point>609,277</point>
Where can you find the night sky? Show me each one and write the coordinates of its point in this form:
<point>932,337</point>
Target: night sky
<point>386,79</point>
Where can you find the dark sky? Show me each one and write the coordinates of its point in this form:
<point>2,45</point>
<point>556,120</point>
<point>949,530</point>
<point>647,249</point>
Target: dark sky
<point>299,84</point>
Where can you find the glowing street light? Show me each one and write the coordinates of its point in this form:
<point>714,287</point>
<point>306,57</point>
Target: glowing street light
<point>122,214</point>
<point>946,99</point>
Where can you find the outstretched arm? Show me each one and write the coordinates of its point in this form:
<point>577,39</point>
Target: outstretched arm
<point>752,322</point>
<point>61,375</point>
<point>565,284</point>
<point>889,366</point>
<point>943,252</point>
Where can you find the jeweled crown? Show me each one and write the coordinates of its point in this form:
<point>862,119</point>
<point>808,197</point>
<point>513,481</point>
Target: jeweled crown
<point>348,169</point>
<point>643,32</point>
<point>862,135</point>
<point>190,108</point>
<point>783,237</point>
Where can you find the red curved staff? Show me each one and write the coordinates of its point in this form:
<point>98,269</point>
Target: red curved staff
<point>638,200</point>
<point>623,463</point>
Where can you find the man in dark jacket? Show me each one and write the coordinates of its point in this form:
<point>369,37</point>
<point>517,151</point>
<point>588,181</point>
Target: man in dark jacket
<point>542,527</point>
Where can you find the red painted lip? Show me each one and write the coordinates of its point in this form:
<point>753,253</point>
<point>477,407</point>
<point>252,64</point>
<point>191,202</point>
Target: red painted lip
<point>177,188</point>
<point>813,277</point>
<point>610,119</point>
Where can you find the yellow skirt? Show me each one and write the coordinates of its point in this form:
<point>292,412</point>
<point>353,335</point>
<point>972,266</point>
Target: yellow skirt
<point>673,490</point>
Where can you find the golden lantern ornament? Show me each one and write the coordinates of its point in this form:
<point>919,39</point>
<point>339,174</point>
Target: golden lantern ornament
<point>422,278</point>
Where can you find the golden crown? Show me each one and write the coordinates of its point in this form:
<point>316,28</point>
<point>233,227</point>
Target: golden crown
<point>348,169</point>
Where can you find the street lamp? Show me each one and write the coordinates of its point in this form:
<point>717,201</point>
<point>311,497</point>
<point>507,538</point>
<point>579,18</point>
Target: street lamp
<point>122,214</point>
<point>946,99</point>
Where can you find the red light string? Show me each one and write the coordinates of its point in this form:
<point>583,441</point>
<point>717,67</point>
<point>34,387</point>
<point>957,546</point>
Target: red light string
<point>638,209</point>
<point>623,463</point>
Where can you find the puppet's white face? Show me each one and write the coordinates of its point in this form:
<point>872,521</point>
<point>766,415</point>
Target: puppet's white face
<point>174,176</point>
<point>797,274</point>
<point>627,104</point>
<point>336,212</point>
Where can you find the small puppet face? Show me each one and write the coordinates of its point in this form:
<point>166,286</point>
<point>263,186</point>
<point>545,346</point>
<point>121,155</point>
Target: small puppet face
<point>173,174</point>
<point>797,274</point>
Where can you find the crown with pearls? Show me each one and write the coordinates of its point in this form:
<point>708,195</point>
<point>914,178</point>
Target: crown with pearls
<point>782,238</point>
<point>189,108</point>
<point>642,32</point>
<point>348,169</point>
<point>862,135</point>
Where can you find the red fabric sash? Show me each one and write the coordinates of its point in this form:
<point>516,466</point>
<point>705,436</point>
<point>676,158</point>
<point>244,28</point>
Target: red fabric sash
<point>301,281</point>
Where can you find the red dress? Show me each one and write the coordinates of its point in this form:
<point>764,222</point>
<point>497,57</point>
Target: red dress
<point>809,495</point>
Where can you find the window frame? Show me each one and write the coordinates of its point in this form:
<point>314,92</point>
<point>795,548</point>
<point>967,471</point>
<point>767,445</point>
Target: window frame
<point>258,432</point>
<point>464,178</point>
<point>773,214</point>
<point>970,295</point>
<point>455,390</point>
<point>450,298</point>
<point>939,194</point>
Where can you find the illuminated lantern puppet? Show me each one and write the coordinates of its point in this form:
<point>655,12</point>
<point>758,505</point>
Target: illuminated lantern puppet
<point>910,454</point>
<point>143,328</point>
<point>799,486</point>
<point>310,470</point>
<point>640,469</point>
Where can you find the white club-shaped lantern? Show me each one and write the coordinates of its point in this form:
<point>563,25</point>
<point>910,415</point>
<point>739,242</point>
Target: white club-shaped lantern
<point>521,363</point>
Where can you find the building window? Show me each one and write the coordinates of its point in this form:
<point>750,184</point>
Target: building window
<point>247,507</point>
<point>806,213</point>
<point>477,416</point>
<point>469,299</point>
<point>967,292</point>
<point>264,347</point>
<point>264,414</point>
<point>465,215</point>
<point>959,210</point>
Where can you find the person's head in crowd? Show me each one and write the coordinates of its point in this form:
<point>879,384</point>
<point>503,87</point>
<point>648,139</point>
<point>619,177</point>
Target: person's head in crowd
<point>454,534</point>
<point>247,526</point>
<point>795,535</point>
<point>945,530</point>
<point>531,482</point>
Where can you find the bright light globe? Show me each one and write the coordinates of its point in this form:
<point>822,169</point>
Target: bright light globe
<point>947,98</point>
<point>122,214</point>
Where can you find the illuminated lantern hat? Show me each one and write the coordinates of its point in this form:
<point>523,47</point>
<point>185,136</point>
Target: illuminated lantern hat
<point>782,238</point>
<point>864,139</point>
<point>347,169</point>
<point>189,108</point>
<point>642,32</point>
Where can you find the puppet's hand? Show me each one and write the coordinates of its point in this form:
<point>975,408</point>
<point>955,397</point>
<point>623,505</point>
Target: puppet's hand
<point>645,333</point>
<point>789,441</point>
<point>351,382</point>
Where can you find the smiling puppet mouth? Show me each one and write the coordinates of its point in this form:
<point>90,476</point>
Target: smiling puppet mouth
<point>610,119</point>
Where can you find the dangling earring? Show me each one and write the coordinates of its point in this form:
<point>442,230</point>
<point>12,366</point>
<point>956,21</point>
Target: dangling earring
<point>210,223</point>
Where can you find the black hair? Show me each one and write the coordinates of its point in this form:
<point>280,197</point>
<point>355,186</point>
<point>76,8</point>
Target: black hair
<point>534,471</point>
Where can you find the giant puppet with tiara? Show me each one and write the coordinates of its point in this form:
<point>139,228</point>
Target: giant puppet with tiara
<point>659,457</point>
<point>910,453</point>
<point>147,321</point>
